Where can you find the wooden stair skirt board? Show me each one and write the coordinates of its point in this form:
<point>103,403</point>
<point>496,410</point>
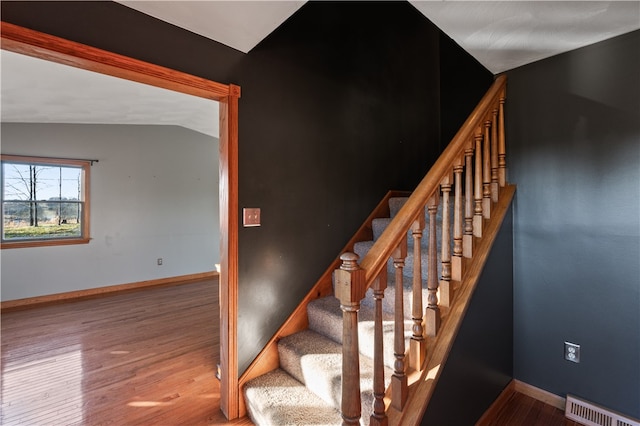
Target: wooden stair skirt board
<point>70,296</point>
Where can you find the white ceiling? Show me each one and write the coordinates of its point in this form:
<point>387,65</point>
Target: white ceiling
<point>501,35</point>
<point>240,24</point>
<point>39,91</point>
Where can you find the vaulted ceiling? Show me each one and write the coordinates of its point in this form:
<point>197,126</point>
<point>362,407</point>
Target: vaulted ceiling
<point>501,35</point>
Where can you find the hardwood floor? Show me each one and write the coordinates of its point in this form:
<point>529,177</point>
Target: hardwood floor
<point>523,410</point>
<point>137,358</point>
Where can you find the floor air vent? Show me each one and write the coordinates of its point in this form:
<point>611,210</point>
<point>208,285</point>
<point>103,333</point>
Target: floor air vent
<point>590,414</point>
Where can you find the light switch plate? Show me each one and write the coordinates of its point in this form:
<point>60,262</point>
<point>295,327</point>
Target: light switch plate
<point>250,217</point>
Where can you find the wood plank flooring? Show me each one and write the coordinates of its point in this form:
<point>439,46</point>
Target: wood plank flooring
<point>138,358</point>
<point>523,410</point>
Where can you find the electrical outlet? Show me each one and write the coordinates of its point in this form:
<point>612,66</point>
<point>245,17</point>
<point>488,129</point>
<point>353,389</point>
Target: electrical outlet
<point>572,352</point>
<point>159,261</point>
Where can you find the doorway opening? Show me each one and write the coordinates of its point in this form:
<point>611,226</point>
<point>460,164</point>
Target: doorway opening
<point>39,45</point>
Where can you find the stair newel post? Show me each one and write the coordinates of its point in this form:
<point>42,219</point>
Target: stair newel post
<point>349,289</point>
<point>456,260</point>
<point>399,381</point>
<point>477,188</point>
<point>379,415</point>
<point>486,171</point>
<point>467,239</point>
<point>502,156</point>
<point>495,186</point>
<point>416,348</point>
<point>432,313</point>
<point>446,288</point>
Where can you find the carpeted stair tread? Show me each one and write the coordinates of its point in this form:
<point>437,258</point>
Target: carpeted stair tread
<point>361,248</point>
<point>316,361</point>
<point>395,204</point>
<point>276,398</point>
<point>388,302</point>
<point>325,317</point>
<point>378,225</point>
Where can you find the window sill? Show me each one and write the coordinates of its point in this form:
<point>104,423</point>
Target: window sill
<point>43,243</point>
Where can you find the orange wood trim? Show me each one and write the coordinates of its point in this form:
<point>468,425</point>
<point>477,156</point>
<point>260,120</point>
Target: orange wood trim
<point>540,394</point>
<point>44,46</point>
<point>86,180</point>
<point>423,389</point>
<point>44,243</point>
<point>376,258</point>
<point>229,392</point>
<point>46,160</point>
<point>497,405</point>
<point>71,296</point>
<point>268,359</point>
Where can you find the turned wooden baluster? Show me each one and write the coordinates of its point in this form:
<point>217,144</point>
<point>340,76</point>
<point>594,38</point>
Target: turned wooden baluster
<point>467,238</point>
<point>446,287</point>
<point>379,416</point>
<point>477,189</point>
<point>432,314</point>
<point>399,387</point>
<point>349,286</point>
<point>486,171</point>
<point>416,345</point>
<point>502,156</point>
<point>495,186</point>
<point>456,261</point>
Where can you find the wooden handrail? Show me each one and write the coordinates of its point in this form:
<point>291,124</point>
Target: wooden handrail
<point>376,258</point>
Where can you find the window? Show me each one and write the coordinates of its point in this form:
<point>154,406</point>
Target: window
<point>44,201</point>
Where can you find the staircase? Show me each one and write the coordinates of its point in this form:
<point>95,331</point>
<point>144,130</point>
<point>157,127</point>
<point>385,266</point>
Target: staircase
<point>356,351</point>
<point>311,360</point>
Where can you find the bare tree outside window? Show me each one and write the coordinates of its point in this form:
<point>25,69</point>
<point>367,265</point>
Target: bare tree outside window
<point>44,200</point>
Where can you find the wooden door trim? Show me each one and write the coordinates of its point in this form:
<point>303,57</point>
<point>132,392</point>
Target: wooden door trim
<point>44,46</point>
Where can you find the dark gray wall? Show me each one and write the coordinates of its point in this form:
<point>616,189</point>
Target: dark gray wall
<point>480,364</point>
<point>574,151</point>
<point>339,105</point>
<point>352,112</point>
<point>463,82</point>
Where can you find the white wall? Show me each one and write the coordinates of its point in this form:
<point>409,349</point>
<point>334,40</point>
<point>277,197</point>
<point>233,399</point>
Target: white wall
<point>154,193</point>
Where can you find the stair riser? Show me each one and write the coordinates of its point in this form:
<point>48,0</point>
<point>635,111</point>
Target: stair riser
<point>276,398</point>
<point>325,317</point>
<point>316,362</point>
